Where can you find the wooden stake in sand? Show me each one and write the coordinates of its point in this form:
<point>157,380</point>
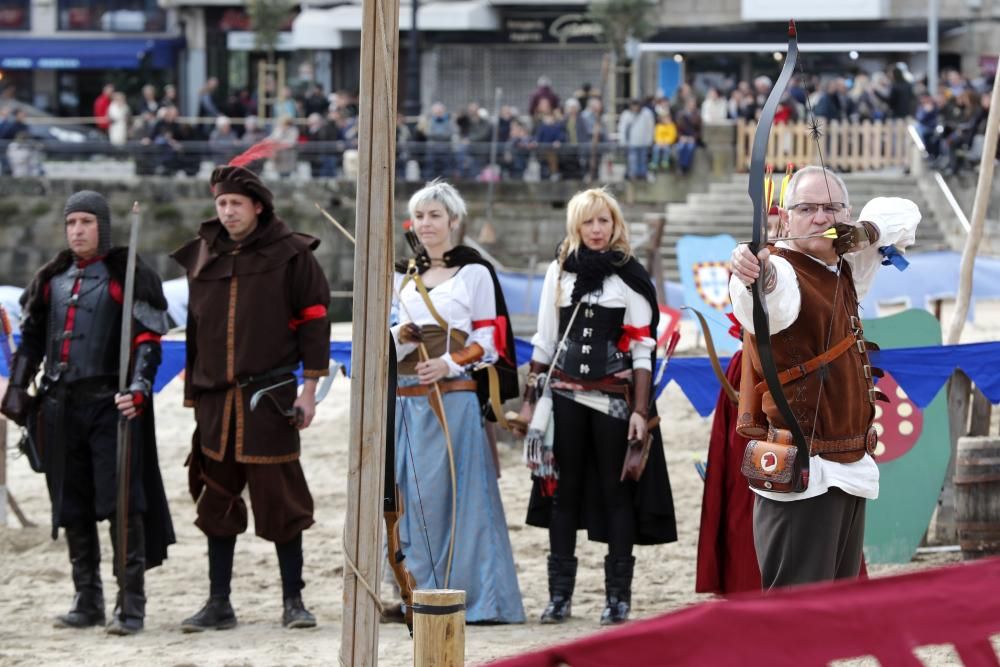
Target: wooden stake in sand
<point>438,628</point>
<point>370,341</point>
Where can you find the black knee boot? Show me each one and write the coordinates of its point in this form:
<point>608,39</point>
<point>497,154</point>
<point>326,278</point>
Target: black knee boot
<point>130,608</point>
<point>85,557</point>
<point>217,613</point>
<point>562,579</point>
<point>295,614</point>
<point>617,588</point>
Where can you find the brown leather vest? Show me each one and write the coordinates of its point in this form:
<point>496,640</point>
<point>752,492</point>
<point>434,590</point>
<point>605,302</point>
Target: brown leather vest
<point>835,422</point>
<point>436,341</point>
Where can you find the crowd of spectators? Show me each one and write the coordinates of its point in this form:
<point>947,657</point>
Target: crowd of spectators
<point>557,135</point>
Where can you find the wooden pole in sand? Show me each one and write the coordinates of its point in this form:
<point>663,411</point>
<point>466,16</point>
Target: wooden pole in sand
<point>438,628</point>
<point>3,471</point>
<point>977,222</point>
<point>373,256</point>
<point>959,386</point>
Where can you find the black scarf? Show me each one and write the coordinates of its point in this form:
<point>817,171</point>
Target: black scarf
<point>591,268</point>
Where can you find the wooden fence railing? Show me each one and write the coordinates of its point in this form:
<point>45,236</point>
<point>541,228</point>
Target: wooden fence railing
<point>847,146</point>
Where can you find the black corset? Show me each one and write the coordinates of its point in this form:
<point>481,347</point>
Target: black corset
<point>591,348</point>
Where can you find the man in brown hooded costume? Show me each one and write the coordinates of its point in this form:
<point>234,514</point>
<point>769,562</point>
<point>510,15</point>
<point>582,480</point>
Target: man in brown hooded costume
<point>257,311</point>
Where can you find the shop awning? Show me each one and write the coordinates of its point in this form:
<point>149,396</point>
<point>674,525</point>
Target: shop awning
<point>87,53</point>
<point>339,27</point>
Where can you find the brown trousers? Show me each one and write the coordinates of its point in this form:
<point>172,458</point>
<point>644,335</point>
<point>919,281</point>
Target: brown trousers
<point>806,541</point>
<point>280,498</point>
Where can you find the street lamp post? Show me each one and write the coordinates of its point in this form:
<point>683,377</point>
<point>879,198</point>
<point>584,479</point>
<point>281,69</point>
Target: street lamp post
<point>411,107</point>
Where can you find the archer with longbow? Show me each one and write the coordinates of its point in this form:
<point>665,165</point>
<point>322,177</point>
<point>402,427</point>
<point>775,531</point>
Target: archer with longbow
<point>810,457</point>
<point>453,327</point>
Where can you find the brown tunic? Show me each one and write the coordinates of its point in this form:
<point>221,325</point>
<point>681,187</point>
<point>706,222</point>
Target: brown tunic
<point>253,307</point>
<point>845,409</point>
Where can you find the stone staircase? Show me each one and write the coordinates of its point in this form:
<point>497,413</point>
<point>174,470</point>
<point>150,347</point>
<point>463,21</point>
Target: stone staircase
<point>725,209</point>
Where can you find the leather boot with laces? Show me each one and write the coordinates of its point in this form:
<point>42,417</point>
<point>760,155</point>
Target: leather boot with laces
<point>217,614</point>
<point>562,580</point>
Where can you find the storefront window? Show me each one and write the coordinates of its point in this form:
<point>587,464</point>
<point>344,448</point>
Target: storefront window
<point>15,14</point>
<point>112,15</point>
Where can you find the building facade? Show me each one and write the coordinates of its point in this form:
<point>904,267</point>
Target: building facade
<point>58,54</point>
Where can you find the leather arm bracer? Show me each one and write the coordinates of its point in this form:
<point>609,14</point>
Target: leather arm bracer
<point>468,355</point>
<point>535,368</point>
<point>147,357</point>
<point>16,400</point>
<point>642,384</point>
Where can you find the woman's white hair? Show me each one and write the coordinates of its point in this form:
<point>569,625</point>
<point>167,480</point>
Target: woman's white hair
<point>813,169</point>
<point>443,193</point>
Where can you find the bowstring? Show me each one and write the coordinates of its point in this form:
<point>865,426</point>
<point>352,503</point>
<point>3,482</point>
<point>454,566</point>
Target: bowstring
<point>409,451</point>
<point>420,502</point>
<point>816,133</point>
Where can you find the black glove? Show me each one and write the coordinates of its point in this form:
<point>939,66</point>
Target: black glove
<point>851,238</point>
<point>17,402</point>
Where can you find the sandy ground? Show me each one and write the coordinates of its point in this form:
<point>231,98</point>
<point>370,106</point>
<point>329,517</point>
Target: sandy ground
<point>35,585</point>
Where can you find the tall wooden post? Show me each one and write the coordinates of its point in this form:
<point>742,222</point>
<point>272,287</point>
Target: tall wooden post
<point>370,341</point>
<point>3,470</point>
<point>979,206</point>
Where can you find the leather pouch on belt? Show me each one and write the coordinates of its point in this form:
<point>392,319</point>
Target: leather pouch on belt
<point>769,466</point>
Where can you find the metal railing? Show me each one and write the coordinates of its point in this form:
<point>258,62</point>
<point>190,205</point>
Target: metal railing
<point>942,185</point>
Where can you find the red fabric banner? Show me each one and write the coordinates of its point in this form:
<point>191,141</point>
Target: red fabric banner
<point>808,625</point>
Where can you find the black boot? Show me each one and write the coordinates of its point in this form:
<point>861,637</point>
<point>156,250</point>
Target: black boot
<point>290,558</point>
<point>618,588</point>
<point>296,615</point>
<point>130,607</point>
<point>85,557</point>
<point>217,614</point>
<point>562,578</point>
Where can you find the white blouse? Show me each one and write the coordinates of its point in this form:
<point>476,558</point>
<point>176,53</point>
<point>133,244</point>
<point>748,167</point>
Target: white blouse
<point>614,293</point>
<point>466,301</point>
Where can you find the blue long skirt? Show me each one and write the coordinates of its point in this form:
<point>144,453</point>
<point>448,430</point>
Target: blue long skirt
<point>483,564</point>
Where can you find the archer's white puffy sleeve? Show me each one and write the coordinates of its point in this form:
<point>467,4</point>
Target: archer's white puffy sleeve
<point>783,303</point>
<point>897,221</point>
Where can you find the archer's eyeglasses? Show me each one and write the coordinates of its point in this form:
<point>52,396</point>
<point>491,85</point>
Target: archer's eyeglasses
<point>808,209</point>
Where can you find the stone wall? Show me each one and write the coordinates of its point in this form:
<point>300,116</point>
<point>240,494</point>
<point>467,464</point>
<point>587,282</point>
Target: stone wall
<point>528,218</point>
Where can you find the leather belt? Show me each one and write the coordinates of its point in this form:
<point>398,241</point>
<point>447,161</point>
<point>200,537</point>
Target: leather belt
<point>802,370</point>
<point>865,442</point>
<point>446,387</point>
<point>247,380</point>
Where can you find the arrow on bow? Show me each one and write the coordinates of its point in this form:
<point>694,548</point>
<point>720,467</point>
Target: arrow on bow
<point>761,321</point>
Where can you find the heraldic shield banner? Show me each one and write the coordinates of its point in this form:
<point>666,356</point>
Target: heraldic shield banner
<point>703,264</point>
<point>913,449</point>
